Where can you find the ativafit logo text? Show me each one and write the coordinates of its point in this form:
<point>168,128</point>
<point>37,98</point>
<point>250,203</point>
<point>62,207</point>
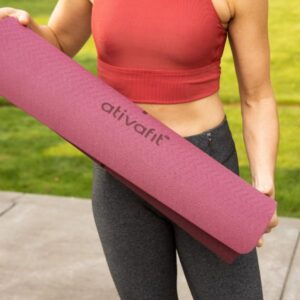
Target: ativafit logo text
<point>120,114</point>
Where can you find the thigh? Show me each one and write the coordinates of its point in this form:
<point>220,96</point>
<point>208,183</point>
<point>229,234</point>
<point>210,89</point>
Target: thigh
<point>208,277</point>
<point>138,243</point>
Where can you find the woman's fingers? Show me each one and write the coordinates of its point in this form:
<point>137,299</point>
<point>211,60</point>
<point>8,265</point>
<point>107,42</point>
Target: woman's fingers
<point>21,15</point>
<point>273,223</point>
<point>268,230</point>
<point>260,242</point>
<point>24,17</point>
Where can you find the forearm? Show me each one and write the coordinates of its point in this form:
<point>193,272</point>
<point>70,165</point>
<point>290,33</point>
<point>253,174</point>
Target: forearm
<point>68,42</point>
<point>261,137</point>
<point>50,36</point>
<point>47,33</point>
<point>68,28</point>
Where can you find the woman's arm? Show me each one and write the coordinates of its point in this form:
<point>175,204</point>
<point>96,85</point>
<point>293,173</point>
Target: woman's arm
<point>70,21</point>
<point>248,37</point>
<point>68,27</point>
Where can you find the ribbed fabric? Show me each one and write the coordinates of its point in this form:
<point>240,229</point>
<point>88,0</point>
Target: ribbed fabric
<point>159,51</point>
<point>158,86</point>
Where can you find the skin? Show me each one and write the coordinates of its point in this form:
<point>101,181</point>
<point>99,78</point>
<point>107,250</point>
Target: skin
<point>247,23</point>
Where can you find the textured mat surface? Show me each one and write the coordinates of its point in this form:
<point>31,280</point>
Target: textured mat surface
<point>213,204</point>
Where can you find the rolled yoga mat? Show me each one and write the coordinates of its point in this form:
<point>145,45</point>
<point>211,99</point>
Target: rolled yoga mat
<point>209,201</point>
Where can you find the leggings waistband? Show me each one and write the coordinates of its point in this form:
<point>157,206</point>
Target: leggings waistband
<point>215,129</point>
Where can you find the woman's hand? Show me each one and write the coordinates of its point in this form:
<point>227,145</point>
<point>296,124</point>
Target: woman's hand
<point>68,28</point>
<point>25,19</point>
<point>21,15</point>
<point>268,190</point>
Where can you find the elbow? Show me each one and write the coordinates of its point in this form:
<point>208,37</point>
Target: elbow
<point>256,95</point>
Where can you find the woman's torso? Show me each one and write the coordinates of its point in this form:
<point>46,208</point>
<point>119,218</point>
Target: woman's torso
<point>196,116</point>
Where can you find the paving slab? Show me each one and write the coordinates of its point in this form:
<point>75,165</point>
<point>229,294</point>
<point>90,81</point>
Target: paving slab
<point>7,201</point>
<point>275,257</point>
<point>291,290</point>
<point>50,249</point>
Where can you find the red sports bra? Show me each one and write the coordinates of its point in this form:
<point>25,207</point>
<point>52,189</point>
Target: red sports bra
<point>159,51</point>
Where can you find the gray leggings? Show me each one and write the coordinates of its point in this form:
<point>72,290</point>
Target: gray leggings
<point>140,243</point>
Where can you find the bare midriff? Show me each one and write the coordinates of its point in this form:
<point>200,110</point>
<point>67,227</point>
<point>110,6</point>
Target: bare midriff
<point>188,118</point>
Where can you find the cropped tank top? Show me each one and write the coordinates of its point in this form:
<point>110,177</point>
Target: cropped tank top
<point>159,51</point>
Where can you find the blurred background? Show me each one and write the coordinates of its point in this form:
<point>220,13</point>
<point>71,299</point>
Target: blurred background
<point>33,159</point>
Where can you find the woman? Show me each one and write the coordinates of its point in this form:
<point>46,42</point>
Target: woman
<point>170,53</point>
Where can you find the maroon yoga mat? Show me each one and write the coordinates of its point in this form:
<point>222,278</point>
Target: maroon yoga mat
<point>213,204</point>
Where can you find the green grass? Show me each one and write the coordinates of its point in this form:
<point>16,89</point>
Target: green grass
<point>34,159</point>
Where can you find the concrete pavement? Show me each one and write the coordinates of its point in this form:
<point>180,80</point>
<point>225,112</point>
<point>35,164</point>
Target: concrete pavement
<point>50,249</point>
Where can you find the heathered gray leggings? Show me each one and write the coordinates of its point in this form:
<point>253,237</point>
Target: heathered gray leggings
<point>140,243</point>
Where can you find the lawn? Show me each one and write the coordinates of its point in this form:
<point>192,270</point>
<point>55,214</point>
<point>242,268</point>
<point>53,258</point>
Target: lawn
<point>35,159</point>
